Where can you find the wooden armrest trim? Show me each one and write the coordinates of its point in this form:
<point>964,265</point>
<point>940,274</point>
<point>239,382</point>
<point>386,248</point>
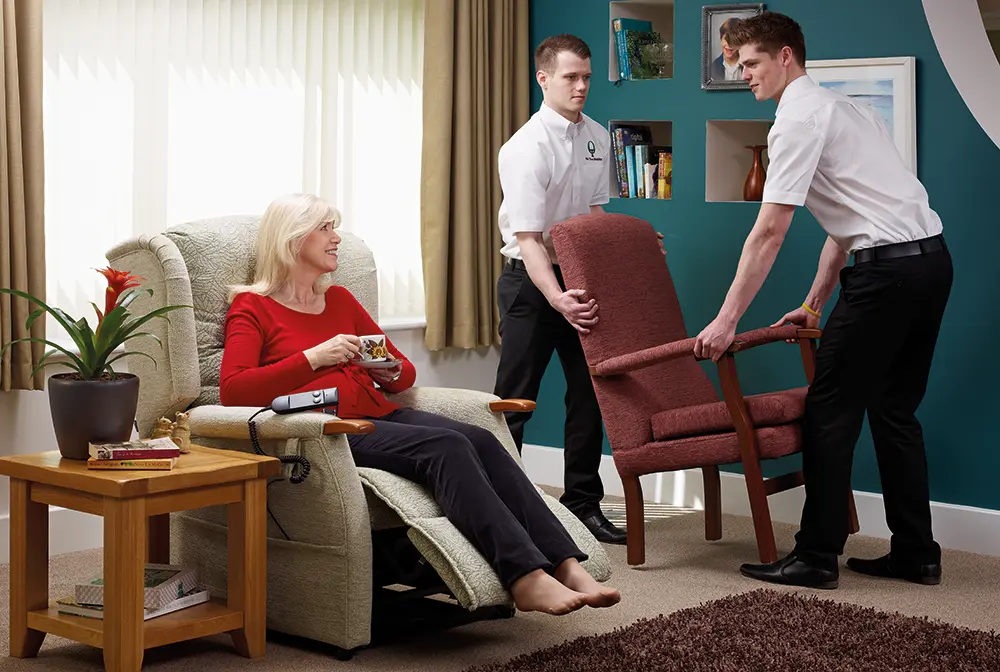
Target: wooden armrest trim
<point>348,427</point>
<point>500,405</point>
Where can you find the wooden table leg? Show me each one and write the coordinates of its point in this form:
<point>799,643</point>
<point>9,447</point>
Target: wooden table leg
<point>124,567</point>
<point>248,567</point>
<point>159,539</point>
<point>29,567</point>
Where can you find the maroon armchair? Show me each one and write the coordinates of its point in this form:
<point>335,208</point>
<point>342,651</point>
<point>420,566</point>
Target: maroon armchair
<point>661,412</point>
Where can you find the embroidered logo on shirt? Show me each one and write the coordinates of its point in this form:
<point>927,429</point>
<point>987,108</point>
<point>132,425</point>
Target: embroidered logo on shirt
<point>592,148</point>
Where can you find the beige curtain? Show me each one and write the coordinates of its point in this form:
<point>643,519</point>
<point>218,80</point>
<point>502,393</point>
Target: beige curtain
<point>22,229</point>
<point>477,79</point>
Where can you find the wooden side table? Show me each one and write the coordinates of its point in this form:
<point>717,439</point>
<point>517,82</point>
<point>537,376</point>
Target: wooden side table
<point>136,506</point>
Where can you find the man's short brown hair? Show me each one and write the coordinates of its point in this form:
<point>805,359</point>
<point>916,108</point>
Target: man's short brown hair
<point>769,32</point>
<point>547,53</point>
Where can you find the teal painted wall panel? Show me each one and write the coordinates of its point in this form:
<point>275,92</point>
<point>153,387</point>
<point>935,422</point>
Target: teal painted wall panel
<point>957,163</point>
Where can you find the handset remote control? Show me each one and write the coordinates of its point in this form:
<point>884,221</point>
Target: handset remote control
<point>305,401</point>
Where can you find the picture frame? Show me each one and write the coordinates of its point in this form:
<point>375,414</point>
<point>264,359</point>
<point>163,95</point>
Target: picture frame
<point>715,75</point>
<point>887,85</point>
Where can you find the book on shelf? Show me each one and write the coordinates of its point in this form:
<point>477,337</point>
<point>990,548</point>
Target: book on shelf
<point>135,449</point>
<point>162,584</point>
<point>620,25</point>
<point>68,605</point>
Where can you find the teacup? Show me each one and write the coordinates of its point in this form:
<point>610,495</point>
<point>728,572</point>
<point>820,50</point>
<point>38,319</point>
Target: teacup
<point>373,348</point>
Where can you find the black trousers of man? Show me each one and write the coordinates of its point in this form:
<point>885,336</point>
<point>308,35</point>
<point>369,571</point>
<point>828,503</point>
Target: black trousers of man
<point>531,330</point>
<point>875,355</point>
<point>482,490</point>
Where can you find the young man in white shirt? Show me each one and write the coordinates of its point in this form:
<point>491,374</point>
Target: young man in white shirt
<point>834,156</point>
<point>553,168</point>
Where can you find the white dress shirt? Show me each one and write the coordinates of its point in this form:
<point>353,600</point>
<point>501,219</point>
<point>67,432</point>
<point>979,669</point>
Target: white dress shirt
<point>550,170</point>
<point>836,157</point>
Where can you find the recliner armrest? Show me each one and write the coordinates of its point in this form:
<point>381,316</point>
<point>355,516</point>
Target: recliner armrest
<point>685,348</point>
<point>230,422</point>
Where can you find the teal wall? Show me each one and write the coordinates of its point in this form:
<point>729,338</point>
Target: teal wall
<point>957,163</point>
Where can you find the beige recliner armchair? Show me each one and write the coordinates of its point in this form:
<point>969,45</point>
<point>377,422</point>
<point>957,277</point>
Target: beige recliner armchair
<point>320,551</point>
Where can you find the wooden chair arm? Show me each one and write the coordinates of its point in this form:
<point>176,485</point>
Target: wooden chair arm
<point>341,426</point>
<point>500,405</point>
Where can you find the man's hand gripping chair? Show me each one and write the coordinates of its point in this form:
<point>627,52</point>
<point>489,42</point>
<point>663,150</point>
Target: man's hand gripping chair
<point>320,577</point>
<point>660,409</point>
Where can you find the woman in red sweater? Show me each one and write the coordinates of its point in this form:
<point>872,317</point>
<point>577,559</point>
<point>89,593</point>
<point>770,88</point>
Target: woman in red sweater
<point>288,333</point>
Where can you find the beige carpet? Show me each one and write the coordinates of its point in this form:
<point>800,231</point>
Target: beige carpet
<point>683,570</point>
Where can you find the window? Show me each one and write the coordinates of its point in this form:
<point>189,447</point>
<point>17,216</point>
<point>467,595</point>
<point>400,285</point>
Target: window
<point>158,112</point>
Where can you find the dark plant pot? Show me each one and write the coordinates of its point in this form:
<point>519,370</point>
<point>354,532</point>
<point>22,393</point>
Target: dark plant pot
<point>85,411</point>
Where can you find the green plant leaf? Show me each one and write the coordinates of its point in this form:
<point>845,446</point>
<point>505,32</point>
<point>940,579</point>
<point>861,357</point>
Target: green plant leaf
<point>44,361</point>
<point>131,295</point>
<point>35,314</point>
<point>75,362</point>
<point>139,321</point>
<point>64,320</point>
<point>129,354</point>
<point>140,335</point>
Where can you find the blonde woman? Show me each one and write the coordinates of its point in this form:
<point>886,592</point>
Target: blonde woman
<point>288,333</point>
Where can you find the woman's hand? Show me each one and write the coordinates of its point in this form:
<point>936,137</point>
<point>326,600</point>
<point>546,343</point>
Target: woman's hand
<point>340,349</point>
<point>385,376</point>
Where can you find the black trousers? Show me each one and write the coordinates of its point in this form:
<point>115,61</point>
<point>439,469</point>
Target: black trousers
<point>530,330</point>
<point>478,485</point>
<point>875,355</point>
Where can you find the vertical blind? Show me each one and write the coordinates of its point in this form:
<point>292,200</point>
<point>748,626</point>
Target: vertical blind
<point>158,112</point>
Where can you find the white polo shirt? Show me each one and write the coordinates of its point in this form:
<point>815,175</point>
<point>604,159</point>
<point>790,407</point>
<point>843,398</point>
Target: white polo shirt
<point>551,170</point>
<point>836,157</point>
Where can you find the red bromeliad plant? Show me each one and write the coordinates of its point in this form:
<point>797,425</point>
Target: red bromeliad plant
<point>114,326</point>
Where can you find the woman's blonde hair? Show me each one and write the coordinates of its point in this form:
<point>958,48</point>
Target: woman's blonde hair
<point>286,222</point>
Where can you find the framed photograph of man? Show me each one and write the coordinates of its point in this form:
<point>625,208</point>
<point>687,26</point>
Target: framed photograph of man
<point>720,68</point>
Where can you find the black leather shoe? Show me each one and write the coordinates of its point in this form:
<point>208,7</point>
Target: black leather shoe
<point>884,567</point>
<point>602,528</point>
<point>791,571</point>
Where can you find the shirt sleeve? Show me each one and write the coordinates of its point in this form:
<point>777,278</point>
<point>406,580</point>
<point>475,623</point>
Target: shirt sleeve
<point>242,380</point>
<point>366,326</point>
<point>602,195</point>
<point>524,177</point>
<point>793,150</point>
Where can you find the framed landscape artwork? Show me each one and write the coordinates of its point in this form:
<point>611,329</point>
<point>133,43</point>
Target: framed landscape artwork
<point>887,85</point>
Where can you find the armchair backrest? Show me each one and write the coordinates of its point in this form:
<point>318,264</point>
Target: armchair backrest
<point>616,259</point>
<point>194,264</point>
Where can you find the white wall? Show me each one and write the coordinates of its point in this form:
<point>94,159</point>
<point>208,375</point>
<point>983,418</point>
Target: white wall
<point>26,427</point>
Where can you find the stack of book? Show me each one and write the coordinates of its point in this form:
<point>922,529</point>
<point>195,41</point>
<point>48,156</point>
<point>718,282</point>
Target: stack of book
<point>167,588</point>
<point>159,454</point>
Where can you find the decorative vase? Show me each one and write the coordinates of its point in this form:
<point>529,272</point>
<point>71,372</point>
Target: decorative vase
<point>91,411</point>
<point>753,188</point>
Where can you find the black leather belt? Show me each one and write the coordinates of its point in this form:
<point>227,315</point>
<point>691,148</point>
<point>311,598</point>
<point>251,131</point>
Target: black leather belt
<point>897,250</point>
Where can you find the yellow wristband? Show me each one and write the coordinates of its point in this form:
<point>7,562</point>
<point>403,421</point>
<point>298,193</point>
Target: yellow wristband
<point>811,311</point>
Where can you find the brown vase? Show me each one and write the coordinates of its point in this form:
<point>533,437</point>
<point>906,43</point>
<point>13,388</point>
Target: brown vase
<point>753,188</point>
<point>91,411</point>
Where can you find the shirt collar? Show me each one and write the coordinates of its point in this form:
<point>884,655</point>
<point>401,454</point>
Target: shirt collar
<point>798,88</point>
<point>559,123</point>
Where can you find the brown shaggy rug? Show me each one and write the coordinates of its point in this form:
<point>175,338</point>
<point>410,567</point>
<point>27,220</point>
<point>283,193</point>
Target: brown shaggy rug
<point>768,630</point>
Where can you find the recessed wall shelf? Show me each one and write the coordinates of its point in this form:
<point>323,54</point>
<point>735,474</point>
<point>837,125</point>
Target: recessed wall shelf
<point>661,131</point>
<point>658,12</point>
<point>727,159</point>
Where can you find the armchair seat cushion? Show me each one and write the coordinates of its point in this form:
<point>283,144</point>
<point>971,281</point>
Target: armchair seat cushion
<point>766,410</point>
<point>697,451</point>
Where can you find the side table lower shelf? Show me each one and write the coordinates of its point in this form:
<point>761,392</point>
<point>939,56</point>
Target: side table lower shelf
<point>209,618</point>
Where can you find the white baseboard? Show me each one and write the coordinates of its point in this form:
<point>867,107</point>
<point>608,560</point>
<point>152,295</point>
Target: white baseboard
<point>68,531</point>
<point>958,527</point>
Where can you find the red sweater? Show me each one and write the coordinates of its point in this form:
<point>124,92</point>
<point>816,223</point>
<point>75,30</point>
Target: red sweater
<point>264,358</point>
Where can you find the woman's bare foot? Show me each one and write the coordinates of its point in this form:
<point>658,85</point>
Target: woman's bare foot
<point>571,574</point>
<point>537,591</point>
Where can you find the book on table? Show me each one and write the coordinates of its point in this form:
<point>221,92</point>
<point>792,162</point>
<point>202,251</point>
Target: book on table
<point>68,605</point>
<point>162,585</point>
<point>158,448</point>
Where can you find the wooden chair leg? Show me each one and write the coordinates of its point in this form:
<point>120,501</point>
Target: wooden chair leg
<point>635,521</point>
<point>761,513</point>
<point>853,525</point>
<point>713,503</point>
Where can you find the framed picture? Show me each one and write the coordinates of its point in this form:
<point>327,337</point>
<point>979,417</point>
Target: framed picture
<point>887,85</point>
<point>720,68</point>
